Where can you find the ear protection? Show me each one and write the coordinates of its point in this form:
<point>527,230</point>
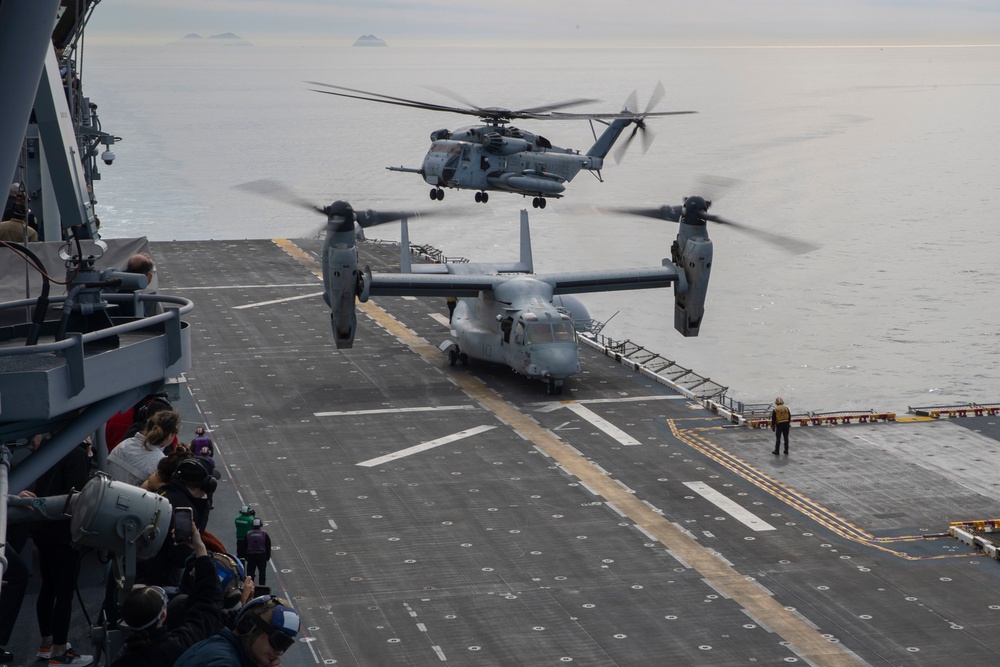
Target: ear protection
<point>146,409</point>
<point>197,471</point>
<point>254,609</point>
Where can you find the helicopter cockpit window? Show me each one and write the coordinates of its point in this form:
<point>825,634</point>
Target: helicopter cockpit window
<point>538,332</point>
<point>446,148</point>
<point>519,333</point>
<point>564,331</point>
<point>466,154</point>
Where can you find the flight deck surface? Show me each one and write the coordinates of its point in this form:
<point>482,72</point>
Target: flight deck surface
<point>423,513</point>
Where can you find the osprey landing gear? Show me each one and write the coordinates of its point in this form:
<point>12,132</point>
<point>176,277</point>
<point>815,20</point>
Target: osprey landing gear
<point>538,202</point>
<point>482,197</point>
<point>437,193</point>
<point>555,387</point>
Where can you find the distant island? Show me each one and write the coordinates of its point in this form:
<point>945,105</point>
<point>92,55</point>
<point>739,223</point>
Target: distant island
<point>369,40</point>
<point>225,39</point>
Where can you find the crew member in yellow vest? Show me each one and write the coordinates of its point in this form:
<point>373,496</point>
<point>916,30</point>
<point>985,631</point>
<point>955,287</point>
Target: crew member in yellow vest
<point>781,423</point>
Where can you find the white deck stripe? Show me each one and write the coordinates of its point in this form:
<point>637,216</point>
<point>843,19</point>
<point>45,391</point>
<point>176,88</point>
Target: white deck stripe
<point>729,507</point>
<point>423,447</point>
<point>290,298</point>
<point>440,319</point>
<point>603,424</point>
<point>386,411</point>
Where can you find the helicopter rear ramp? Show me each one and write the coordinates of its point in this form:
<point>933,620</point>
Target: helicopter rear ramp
<point>428,513</point>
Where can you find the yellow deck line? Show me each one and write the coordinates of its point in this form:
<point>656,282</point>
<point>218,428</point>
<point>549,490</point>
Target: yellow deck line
<point>805,640</point>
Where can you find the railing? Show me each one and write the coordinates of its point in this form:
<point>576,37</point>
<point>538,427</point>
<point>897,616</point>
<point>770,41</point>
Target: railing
<point>27,368</point>
<point>658,367</point>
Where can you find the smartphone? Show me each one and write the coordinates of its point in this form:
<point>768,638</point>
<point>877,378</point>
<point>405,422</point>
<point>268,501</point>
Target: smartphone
<point>183,525</point>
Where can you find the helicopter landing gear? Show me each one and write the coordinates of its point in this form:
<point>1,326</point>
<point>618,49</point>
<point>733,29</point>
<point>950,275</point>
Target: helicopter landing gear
<point>454,356</point>
<point>437,193</point>
<point>538,202</point>
<point>482,197</point>
<point>555,387</point>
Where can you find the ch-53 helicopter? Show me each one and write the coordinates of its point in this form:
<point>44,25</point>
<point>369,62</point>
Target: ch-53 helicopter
<point>497,156</point>
<point>505,313</point>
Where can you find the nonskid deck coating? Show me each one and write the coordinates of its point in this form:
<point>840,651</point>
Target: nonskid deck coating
<point>489,549</point>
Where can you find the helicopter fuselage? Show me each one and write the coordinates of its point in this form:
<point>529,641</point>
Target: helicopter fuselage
<point>517,325</point>
<point>505,158</point>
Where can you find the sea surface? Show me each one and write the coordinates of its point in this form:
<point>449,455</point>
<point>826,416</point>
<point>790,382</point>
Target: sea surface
<point>887,159</point>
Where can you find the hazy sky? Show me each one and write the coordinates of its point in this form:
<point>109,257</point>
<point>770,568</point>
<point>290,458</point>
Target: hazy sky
<point>641,22</point>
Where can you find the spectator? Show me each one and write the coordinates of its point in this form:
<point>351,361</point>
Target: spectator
<point>155,642</point>
<point>59,561</point>
<point>192,485</point>
<point>16,227</point>
<point>134,459</point>
<point>265,628</point>
<point>165,468</point>
<point>137,419</point>
<point>15,584</point>
<point>258,552</point>
<point>141,263</point>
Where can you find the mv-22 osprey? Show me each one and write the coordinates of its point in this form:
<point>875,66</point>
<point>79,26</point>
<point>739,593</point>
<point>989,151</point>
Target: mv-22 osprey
<point>497,156</point>
<point>505,313</point>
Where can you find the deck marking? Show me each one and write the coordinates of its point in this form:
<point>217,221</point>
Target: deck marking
<point>808,643</point>
<point>333,524</point>
<point>424,446</point>
<point>603,424</point>
<point>273,301</point>
<point>388,411</point>
<point>746,517</point>
<point>440,319</point>
<point>552,406</point>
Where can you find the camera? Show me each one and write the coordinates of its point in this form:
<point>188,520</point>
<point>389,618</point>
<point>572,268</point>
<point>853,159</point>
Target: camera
<point>108,156</point>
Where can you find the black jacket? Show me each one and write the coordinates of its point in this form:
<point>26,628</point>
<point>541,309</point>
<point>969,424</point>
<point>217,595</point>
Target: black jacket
<point>72,472</point>
<point>165,568</point>
<point>203,619</point>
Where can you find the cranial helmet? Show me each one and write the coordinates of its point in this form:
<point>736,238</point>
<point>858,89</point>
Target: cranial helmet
<point>271,615</point>
<point>257,523</point>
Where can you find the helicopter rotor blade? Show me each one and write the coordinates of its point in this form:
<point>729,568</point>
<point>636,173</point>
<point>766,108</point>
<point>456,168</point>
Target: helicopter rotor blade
<point>336,221</point>
<point>787,243</point>
<point>673,214</point>
<point>658,94</point>
<point>278,191</point>
<point>370,218</point>
<point>622,148</point>
<point>519,113</point>
<point>388,99</point>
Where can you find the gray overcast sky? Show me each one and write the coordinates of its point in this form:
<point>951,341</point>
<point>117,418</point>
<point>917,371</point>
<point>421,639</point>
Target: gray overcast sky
<point>640,22</point>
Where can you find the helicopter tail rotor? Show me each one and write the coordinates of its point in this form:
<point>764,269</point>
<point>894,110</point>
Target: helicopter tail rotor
<point>646,134</point>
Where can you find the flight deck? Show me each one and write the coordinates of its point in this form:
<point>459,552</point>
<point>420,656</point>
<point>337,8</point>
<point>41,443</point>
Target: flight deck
<point>425,513</point>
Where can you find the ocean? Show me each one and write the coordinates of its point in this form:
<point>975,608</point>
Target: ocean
<point>885,158</point>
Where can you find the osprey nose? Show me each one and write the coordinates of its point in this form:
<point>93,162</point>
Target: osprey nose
<point>561,361</point>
